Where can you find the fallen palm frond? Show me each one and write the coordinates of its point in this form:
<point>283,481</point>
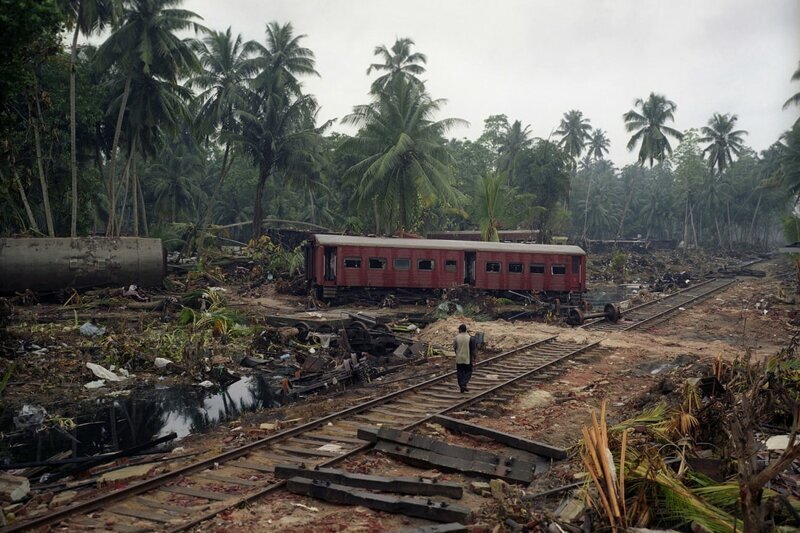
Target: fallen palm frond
<point>674,501</point>
<point>654,419</point>
<point>599,463</point>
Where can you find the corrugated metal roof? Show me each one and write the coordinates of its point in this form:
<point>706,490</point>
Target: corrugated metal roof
<point>436,244</point>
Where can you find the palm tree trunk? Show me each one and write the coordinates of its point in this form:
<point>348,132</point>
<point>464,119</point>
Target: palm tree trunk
<point>755,214</point>
<point>265,172</point>
<point>719,233</point>
<point>127,176</point>
<point>144,210</point>
<point>134,190</point>
<point>730,225</point>
<point>114,145</point>
<point>624,212</point>
<point>73,231</point>
<point>586,210</point>
<point>377,217</point>
<point>198,230</point>
<point>24,197</point>
<point>686,226</point>
<point>694,231</point>
<point>48,214</point>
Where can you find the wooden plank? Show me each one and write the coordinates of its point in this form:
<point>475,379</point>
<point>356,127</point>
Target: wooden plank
<point>513,441</point>
<point>334,438</point>
<point>249,465</point>
<point>306,451</point>
<point>149,515</point>
<point>169,508</point>
<point>197,493</point>
<point>401,485</point>
<point>427,458</point>
<point>229,479</point>
<point>416,507</point>
<point>453,527</point>
<point>520,466</point>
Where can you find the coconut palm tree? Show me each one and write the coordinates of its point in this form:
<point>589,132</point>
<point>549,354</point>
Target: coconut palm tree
<point>515,141</point>
<point>397,61</point>
<point>724,141</point>
<point>282,60</point>
<point>651,131</point>
<point>795,98</point>
<point>403,159</point>
<point>86,17</point>
<point>492,205</point>
<point>145,46</point>
<point>227,69</point>
<point>575,131</point>
<point>278,119</point>
<point>598,145</point>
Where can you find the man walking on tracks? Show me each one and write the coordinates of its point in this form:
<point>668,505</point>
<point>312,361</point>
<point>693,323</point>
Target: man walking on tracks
<point>464,345</point>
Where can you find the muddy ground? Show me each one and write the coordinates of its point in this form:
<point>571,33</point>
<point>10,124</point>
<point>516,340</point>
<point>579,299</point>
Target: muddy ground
<point>631,370</point>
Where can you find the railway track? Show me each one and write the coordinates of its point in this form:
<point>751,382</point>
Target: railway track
<point>245,474</point>
<point>187,496</point>
<point>646,313</point>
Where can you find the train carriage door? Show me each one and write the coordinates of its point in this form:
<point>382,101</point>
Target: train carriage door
<point>576,271</point>
<point>469,268</point>
<point>330,263</point>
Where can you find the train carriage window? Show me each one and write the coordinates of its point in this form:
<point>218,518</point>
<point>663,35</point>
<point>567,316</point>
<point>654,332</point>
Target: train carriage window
<point>402,263</point>
<point>492,266</point>
<point>377,263</point>
<point>537,268</point>
<point>352,262</point>
<point>559,270</point>
<point>576,264</point>
<point>515,268</point>
<point>450,265</point>
<point>425,264</point>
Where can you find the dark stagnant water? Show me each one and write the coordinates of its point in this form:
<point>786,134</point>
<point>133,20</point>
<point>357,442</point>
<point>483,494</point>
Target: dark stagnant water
<point>108,425</point>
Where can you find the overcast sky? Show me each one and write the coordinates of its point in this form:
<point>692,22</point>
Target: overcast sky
<point>534,60</point>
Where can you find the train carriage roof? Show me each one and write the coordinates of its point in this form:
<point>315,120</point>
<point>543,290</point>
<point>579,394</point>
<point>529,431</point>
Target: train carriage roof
<point>436,244</point>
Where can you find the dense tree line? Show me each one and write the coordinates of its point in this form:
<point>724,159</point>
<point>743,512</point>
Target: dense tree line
<point>150,133</point>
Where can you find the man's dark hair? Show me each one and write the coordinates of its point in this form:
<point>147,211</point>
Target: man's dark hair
<point>462,328</point>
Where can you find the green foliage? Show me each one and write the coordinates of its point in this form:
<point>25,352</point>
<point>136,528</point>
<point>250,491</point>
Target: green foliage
<point>651,131</point>
<point>30,34</point>
<point>403,163</point>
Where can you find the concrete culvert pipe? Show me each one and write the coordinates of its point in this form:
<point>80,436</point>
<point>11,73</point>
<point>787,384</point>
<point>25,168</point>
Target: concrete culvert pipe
<point>49,264</point>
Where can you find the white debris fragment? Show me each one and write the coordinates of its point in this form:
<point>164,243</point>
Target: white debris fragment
<point>104,373</point>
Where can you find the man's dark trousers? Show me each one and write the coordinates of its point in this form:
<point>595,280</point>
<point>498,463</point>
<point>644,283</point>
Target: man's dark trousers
<point>463,374</point>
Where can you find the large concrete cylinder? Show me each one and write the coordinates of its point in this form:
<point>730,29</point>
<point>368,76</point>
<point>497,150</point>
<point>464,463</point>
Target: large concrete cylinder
<point>48,264</point>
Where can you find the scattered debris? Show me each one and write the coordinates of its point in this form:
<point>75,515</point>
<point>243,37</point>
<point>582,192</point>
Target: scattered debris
<point>402,485</point>
<point>90,330</point>
<point>13,488</point>
<point>416,507</point>
<point>104,373</point>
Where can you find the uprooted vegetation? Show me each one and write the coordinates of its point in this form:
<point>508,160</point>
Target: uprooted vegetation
<point>721,460</point>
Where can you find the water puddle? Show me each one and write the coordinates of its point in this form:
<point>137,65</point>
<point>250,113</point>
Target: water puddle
<point>108,425</point>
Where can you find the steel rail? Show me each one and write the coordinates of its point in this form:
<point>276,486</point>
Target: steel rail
<point>674,308</point>
<point>651,303</point>
<point>556,351</point>
<point>460,405</point>
<point>112,497</point>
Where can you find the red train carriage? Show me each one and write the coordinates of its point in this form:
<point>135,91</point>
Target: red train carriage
<point>337,263</point>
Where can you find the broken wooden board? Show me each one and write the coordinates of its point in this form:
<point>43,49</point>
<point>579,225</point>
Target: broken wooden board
<point>428,458</point>
<point>415,507</point>
<point>401,485</point>
<point>486,463</point>
<point>453,527</point>
<point>513,441</point>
